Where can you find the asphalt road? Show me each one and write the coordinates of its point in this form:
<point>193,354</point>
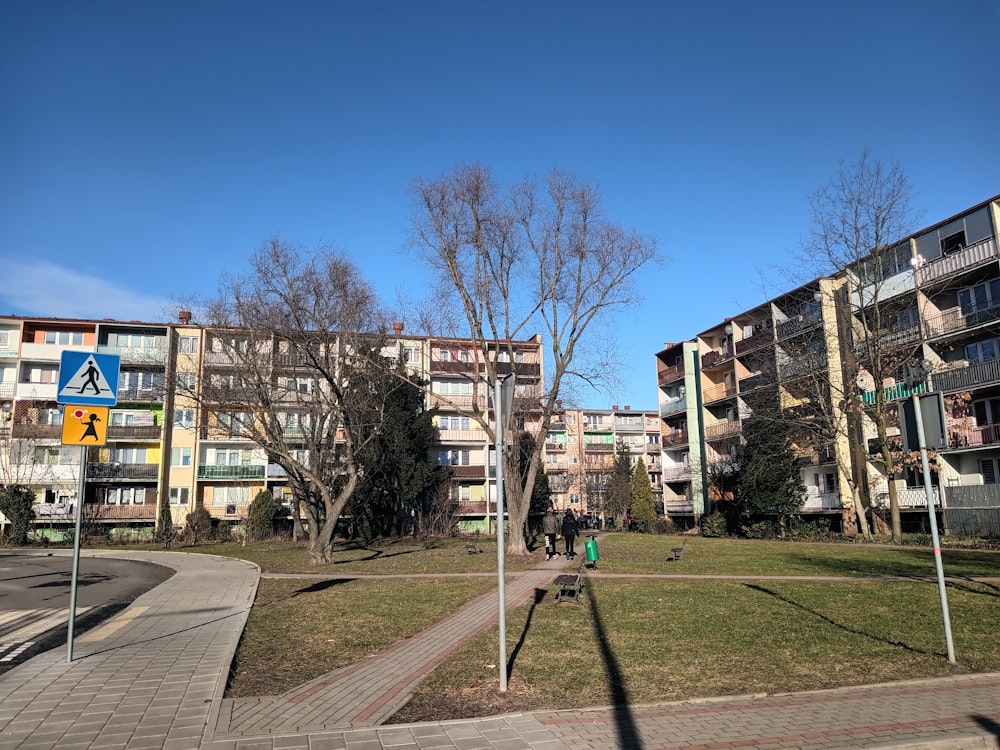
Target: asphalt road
<point>35,591</point>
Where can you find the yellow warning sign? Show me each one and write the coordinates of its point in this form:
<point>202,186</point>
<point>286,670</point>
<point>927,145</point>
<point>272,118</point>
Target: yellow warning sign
<point>85,425</point>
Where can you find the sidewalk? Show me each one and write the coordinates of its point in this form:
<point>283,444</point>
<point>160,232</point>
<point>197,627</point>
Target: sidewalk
<point>153,677</point>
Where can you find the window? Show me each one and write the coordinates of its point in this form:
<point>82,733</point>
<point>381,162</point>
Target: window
<point>953,243</point>
<point>53,417</point>
<point>979,297</point>
<point>981,351</point>
<point>987,411</point>
<point>180,456</point>
<point>454,458</point>
<point>187,381</point>
<point>64,338</point>
<point>988,468</point>
<point>503,356</point>
<point>234,496</point>
<point>42,374</point>
<point>128,455</point>
<point>179,495</point>
<point>411,354</point>
<point>444,355</point>
<point>4,338</point>
<point>454,388</point>
<point>463,356</point>
<point>454,423</point>
<point>125,496</point>
<point>184,418</point>
<point>187,344</point>
<point>47,456</point>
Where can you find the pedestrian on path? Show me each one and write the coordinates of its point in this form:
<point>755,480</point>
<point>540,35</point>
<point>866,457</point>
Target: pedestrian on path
<point>570,528</point>
<point>550,527</point>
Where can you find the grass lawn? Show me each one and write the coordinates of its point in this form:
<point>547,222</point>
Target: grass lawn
<point>638,640</point>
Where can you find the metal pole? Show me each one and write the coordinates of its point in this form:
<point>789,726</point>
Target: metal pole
<point>501,598</point>
<point>76,554</point>
<point>929,493</point>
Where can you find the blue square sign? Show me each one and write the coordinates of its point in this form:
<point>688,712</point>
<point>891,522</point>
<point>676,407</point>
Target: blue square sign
<point>88,379</point>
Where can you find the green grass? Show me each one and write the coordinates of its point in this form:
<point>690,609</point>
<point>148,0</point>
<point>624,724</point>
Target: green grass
<point>640,640</point>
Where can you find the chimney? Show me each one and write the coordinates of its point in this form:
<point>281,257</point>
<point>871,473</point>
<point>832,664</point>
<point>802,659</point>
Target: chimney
<point>628,408</point>
<point>614,407</point>
<point>184,316</point>
<point>398,328</point>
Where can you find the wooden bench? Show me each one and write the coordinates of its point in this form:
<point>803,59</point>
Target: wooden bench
<point>570,583</point>
<point>676,553</point>
<point>473,548</point>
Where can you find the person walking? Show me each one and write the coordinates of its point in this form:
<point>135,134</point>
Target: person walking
<point>550,527</point>
<point>570,529</point>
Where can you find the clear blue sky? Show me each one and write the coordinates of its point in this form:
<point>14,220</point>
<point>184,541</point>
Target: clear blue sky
<point>148,147</point>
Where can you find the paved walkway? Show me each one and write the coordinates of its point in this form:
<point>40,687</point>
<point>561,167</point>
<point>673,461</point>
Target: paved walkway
<point>153,676</point>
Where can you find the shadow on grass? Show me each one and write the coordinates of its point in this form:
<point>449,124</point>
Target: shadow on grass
<point>538,598</point>
<point>625,727</point>
<point>841,626</point>
<point>321,586</point>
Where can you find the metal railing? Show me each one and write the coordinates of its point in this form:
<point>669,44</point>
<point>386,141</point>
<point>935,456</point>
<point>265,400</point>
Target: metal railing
<point>115,470</point>
<point>212,471</point>
<point>972,376</point>
<point>972,256</point>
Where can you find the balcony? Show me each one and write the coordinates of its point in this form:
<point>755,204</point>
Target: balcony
<point>456,401</point>
<point>716,357</point>
<point>961,436</point>
<point>955,321</point>
<point>909,497</point>
<point>670,374</point>
<point>674,437</point>
<point>673,407</point>
<point>523,370</point>
<point>758,340</point>
<point>102,513</point>
<point>677,474</point>
<point>971,257</point>
<point>896,392</point>
<point>7,390</point>
<point>970,377</point>
<point>718,392</point>
<point>599,447</point>
<point>117,470</point>
<point>796,324</point>
<point>468,472</point>
<point>622,426</point>
<point>49,352</point>
<point>722,430</point>
<point>136,354</point>
<point>461,436</point>
<point>248,471</point>
<point>555,446</point>
<point>135,393</point>
<point>678,507</point>
<point>822,501</point>
<point>755,381</point>
<point>37,431</point>
<point>37,391</point>
<point>800,367</point>
<point>470,508</point>
<point>133,432</point>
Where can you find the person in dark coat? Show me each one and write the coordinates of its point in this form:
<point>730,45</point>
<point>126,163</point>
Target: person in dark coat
<point>550,527</point>
<point>570,529</point>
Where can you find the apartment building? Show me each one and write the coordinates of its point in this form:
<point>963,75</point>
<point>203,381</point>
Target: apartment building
<point>938,294</point>
<point>177,430</point>
<point>580,449</point>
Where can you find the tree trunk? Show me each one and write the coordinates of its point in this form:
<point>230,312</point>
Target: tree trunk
<point>860,513</point>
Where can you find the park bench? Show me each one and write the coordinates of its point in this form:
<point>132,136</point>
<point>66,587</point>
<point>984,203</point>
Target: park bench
<point>473,548</point>
<point>676,553</point>
<point>570,583</point>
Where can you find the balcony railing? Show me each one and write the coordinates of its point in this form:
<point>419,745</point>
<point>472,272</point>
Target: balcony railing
<point>36,431</point>
<point>673,407</point>
<point>972,376</point>
<point>133,393</point>
<point>606,447</point>
<point>133,432</point>
<point>677,474</point>
<point>716,356</point>
<point>954,320</point>
<point>796,368</point>
<point>677,437</point>
<point>722,430</point>
<point>960,436</point>
<point>896,392</point>
<point>670,374</point>
<point>471,508</point>
<point>461,436</point>
<point>909,497</point>
<point>117,470</point>
<point>456,401</point>
<point>7,390</point>
<point>623,426</point>
<point>718,392</point>
<point>137,354</point>
<point>975,255</point>
<point>822,501</point>
<point>212,471</point>
<point>554,446</point>
<point>797,323</point>
<point>469,472</point>
<point>757,380</point>
<point>762,338</point>
<point>677,506</point>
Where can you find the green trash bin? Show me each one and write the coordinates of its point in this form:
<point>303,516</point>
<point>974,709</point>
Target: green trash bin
<point>590,548</point>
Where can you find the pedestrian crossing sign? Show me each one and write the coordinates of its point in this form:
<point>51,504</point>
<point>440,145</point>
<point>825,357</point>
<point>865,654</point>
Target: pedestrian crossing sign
<point>88,379</point>
<point>85,425</point>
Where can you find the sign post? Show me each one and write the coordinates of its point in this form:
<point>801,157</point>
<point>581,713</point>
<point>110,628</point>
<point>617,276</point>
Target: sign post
<point>503,397</point>
<point>89,380</point>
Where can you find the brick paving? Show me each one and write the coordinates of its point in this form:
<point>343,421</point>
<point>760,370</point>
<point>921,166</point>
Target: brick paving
<point>154,675</point>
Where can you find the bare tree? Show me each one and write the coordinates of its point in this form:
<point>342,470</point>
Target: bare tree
<point>295,363</point>
<point>860,220</point>
<point>534,256</point>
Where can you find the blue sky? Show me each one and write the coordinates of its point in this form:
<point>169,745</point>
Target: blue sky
<point>146,147</point>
